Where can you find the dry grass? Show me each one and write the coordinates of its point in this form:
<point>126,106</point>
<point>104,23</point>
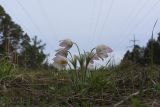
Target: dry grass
<point>126,86</point>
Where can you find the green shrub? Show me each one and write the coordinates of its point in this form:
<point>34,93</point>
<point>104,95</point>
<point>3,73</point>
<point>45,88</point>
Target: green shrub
<point>6,67</point>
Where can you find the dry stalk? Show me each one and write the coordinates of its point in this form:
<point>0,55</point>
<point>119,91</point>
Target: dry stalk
<point>127,98</point>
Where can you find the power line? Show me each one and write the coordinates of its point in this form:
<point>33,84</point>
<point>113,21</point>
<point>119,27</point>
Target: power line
<point>45,15</point>
<point>150,10</point>
<point>98,18</point>
<point>107,16</point>
<point>144,24</point>
<point>144,17</point>
<point>33,23</point>
<point>131,13</point>
<point>29,16</point>
<point>91,16</point>
<point>143,6</point>
<point>130,19</point>
<point>10,10</point>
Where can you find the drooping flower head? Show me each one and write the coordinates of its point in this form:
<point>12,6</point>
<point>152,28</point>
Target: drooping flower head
<point>95,57</point>
<point>66,43</point>
<point>62,52</point>
<point>60,62</point>
<point>90,57</point>
<point>102,51</point>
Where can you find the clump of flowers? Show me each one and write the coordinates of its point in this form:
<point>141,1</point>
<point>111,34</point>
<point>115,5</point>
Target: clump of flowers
<point>60,60</point>
<point>84,60</point>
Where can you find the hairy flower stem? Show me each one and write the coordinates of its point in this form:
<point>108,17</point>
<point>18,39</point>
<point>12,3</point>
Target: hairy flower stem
<point>77,74</point>
<point>75,68</point>
<point>87,63</point>
<point>69,66</point>
<point>78,49</point>
<point>81,63</point>
<point>85,72</point>
<point>93,50</point>
<point>70,54</point>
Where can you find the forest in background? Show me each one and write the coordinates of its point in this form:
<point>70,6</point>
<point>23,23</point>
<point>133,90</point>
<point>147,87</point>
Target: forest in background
<point>134,82</point>
<point>17,45</point>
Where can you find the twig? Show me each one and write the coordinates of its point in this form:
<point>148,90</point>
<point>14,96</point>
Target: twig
<point>127,98</point>
<point>154,103</point>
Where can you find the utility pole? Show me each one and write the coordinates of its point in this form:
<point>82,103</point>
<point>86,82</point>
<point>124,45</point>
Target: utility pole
<point>134,40</point>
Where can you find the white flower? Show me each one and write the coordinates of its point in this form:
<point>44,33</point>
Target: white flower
<point>94,57</point>
<point>90,67</point>
<point>60,62</point>
<point>90,57</point>
<point>102,51</point>
<point>66,43</point>
<point>62,52</point>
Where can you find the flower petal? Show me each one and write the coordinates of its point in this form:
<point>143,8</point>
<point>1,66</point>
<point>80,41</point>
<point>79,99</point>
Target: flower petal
<point>102,51</point>
<point>62,52</point>
<point>103,55</point>
<point>58,66</point>
<point>109,50</point>
<point>66,43</point>
<point>60,59</point>
<point>63,44</point>
<point>95,57</point>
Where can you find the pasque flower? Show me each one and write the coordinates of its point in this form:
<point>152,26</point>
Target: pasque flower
<point>60,62</point>
<point>62,52</point>
<point>95,57</point>
<point>86,60</point>
<point>102,51</point>
<point>66,44</point>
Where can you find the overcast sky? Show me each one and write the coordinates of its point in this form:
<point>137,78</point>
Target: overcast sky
<point>87,22</point>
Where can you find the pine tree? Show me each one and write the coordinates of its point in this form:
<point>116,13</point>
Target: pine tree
<point>34,54</point>
<point>17,45</point>
<point>10,35</point>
